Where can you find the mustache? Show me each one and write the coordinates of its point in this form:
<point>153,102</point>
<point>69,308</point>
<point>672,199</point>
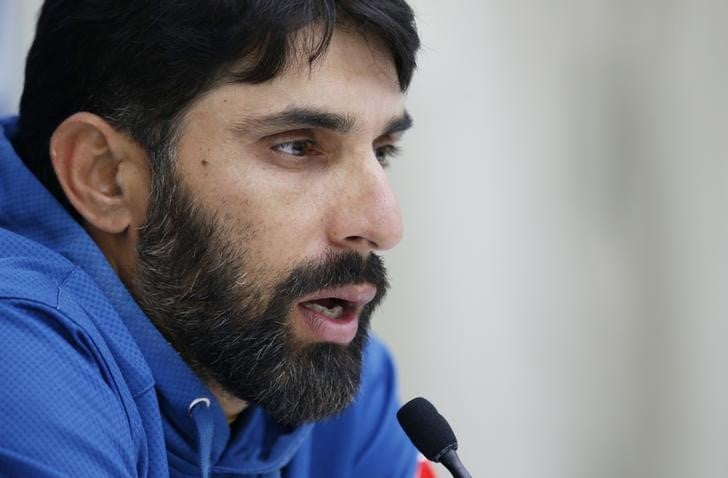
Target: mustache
<point>336,270</point>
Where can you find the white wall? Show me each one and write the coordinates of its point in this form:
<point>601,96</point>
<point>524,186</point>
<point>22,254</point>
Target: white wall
<point>559,291</point>
<point>17,25</point>
<point>515,303</point>
<point>558,294</point>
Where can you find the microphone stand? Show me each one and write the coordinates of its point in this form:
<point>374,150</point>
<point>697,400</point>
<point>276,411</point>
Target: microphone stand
<point>452,462</point>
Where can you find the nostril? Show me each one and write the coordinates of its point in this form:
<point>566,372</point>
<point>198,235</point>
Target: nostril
<point>363,242</point>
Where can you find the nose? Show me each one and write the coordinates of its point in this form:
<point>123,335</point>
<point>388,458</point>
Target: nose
<point>366,215</point>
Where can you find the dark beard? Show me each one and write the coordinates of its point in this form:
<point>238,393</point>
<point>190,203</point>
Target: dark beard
<point>201,292</point>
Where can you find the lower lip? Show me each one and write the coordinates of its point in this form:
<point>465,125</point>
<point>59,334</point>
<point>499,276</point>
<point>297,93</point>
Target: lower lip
<point>325,329</point>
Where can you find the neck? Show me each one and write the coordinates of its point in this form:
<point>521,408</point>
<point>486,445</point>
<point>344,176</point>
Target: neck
<point>231,405</point>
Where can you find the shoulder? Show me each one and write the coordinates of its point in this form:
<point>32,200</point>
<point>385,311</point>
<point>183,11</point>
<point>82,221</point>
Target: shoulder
<point>377,357</point>
<point>30,271</point>
<point>39,278</point>
<point>378,393</point>
<point>63,386</point>
<point>59,393</point>
<point>62,391</point>
<point>45,311</point>
<point>379,375</point>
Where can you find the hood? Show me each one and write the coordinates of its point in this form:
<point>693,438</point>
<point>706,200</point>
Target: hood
<point>254,446</point>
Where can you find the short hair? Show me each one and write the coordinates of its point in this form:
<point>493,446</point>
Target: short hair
<point>139,64</point>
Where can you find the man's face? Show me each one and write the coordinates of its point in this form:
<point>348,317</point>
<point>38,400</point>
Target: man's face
<point>257,257</point>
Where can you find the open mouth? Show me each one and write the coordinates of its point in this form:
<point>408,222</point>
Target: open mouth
<point>331,307</point>
<point>331,315</point>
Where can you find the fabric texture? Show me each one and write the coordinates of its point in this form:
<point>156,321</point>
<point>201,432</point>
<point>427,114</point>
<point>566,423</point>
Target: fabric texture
<point>92,389</point>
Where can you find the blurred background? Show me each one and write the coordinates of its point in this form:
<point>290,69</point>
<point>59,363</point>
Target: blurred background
<point>558,294</point>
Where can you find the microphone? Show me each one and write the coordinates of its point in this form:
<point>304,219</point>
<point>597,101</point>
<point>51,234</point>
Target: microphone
<point>431,435</point>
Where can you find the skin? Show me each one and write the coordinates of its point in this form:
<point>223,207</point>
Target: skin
<point>287,192</point>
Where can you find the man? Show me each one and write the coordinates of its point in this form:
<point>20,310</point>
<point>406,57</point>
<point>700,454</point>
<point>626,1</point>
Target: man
<point>190,205</point>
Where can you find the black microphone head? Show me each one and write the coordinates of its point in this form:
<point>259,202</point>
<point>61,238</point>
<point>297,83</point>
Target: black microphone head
<point>428,430</point>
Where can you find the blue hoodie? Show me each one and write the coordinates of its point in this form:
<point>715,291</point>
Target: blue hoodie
<point>90,388</point>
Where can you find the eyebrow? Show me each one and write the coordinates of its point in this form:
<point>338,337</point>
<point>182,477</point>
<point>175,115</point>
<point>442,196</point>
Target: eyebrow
<point>297,118</point>
<point>397,125</point>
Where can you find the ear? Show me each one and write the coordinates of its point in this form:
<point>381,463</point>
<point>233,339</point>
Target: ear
<point>104,174</point>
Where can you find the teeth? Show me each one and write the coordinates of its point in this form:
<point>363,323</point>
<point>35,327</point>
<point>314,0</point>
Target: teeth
<point>333,313</point>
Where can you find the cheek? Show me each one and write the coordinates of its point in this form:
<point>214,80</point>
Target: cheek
<point>277,214</point>
<point>289,229</point>
<point>279,220</point>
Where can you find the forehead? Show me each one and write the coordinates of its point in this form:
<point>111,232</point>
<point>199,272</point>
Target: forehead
<point>356,77</point>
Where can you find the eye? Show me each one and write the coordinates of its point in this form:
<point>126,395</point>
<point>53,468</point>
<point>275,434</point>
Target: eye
<point>299,148</point>
<point>384,153</point>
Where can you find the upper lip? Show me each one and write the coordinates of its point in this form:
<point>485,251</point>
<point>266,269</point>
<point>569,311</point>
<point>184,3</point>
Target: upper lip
<point>358,295</point>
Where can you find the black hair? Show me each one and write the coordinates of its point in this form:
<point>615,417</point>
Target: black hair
<point>140,63</point>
